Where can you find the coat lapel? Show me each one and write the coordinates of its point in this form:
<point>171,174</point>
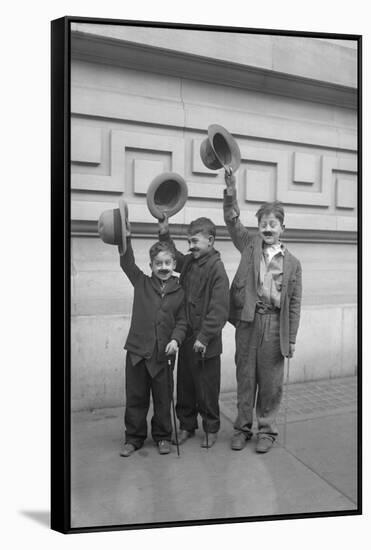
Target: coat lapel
<point>204,274</point>
<point>155,284</point>
<point>257,257</point>
<point>287,268</point>
<point>171,286</point>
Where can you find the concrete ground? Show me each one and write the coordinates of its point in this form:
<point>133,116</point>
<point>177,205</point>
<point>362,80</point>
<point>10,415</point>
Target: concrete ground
<point>315,471</point>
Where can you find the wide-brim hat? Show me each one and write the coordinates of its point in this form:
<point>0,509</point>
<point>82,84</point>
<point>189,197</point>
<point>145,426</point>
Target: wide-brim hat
<point>113,226</point>
<point>220,149</point>
<point>167,194</point>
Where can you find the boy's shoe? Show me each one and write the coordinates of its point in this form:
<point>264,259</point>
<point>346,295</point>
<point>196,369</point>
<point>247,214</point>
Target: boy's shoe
<point>264,444</point>
<point>209,440</point>
<point>239,441</point>
<point>164,447</point>
<point>183,435</point>
<point>127,449</point>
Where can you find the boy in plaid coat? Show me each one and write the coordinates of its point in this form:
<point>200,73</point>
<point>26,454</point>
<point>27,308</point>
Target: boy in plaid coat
<point>265,302</point>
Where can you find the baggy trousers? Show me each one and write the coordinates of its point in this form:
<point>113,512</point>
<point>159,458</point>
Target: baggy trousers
<point>260,369</point>
<point>198,389</point>
<point>139,385</point>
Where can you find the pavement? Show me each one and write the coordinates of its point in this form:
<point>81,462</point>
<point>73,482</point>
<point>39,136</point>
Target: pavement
<point>312,469</point>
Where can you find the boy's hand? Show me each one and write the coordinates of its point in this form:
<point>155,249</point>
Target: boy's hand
<point>127,223</point>
<point>163,225</point>
<point>199,347</point>
<point>128,228</point>
<point>291,350</point>
<point>120,247</point>
<point>230,179</point>
<point>171,348</point>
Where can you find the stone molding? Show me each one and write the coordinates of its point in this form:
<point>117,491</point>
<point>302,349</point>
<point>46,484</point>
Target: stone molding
<point>88,228</point>
<point>101,104</point>
<point>110,51</point>
<point>314,169</point>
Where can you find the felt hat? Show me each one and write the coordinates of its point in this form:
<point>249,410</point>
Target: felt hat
<point>220,149</point>
<point>167,194</point>
<point>113,226</point>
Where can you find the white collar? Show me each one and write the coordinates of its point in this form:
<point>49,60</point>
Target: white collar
<point>273,249</point>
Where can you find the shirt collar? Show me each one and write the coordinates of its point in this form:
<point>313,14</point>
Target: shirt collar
<point>274,249</point>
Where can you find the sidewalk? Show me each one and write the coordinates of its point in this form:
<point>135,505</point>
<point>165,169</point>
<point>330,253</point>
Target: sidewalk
<point>316,471</point>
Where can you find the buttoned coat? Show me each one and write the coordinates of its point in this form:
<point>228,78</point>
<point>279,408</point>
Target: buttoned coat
<point>211,299</point>
<point>244,288</point>
<point>158,315</point>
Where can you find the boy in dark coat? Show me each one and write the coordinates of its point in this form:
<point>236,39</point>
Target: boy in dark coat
<point>206,288</point>
<point>265,309</point>
<point>158,327</point>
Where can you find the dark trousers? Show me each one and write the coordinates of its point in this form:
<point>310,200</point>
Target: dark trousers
<point>139,385</point>
<point>198,388</point>
<point>260,368</point>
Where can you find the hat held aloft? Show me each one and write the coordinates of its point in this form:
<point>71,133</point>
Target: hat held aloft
<point>114,227</point>
<point>167,194</point>
<point>220,149</point>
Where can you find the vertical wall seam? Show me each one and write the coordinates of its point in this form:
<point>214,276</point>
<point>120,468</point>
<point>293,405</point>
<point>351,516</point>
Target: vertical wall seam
<point>183,105</point>
<point>342,341</point>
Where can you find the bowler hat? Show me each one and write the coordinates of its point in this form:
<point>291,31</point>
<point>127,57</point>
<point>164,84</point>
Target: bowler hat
<point>167,194</point>
<point>220,149</point>
<point>113,226</point>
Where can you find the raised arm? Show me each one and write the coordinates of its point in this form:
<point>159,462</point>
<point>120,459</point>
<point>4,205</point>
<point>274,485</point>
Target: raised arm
<point>128,265</point>
<point>238,232</point>
<point>164,235</point>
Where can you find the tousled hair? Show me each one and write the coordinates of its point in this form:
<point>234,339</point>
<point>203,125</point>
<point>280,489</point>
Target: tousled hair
<point>161,246</point>
<point>202,225</point>
<point>275,208</point>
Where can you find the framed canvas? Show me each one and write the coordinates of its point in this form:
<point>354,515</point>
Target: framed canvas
<point>264,411</point>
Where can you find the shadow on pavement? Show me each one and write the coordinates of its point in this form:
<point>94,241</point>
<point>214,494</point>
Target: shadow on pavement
<point>39,516</point>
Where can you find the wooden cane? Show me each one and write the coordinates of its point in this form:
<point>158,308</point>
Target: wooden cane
<point>286,401</point>
<point>172,404</point>
<point>204,399</point>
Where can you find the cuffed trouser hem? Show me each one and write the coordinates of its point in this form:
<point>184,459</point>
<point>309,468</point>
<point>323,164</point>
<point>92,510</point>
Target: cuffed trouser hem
<point>247,433</point>
<point>264,434</point>
<point>182,426</point>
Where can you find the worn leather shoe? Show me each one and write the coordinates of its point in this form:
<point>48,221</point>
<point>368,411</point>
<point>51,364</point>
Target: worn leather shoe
<point>209,441</point>
<point>183,435</point>
<point>264,444</point>
<point>239,441</point>
<point>127,449</point>
<point>164,447</point>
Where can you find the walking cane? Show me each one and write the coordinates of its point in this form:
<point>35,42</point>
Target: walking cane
<point>172,405</point>
<point>286,401</point>
<point>204,400</point>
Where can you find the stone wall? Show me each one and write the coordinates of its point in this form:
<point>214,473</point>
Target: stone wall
<point>141,103</point>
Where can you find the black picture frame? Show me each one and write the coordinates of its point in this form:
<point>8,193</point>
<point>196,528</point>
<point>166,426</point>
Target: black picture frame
<point>61,274</point>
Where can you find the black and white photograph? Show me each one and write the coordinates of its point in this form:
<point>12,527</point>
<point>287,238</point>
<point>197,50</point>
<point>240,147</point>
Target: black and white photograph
<point>212,366</point>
